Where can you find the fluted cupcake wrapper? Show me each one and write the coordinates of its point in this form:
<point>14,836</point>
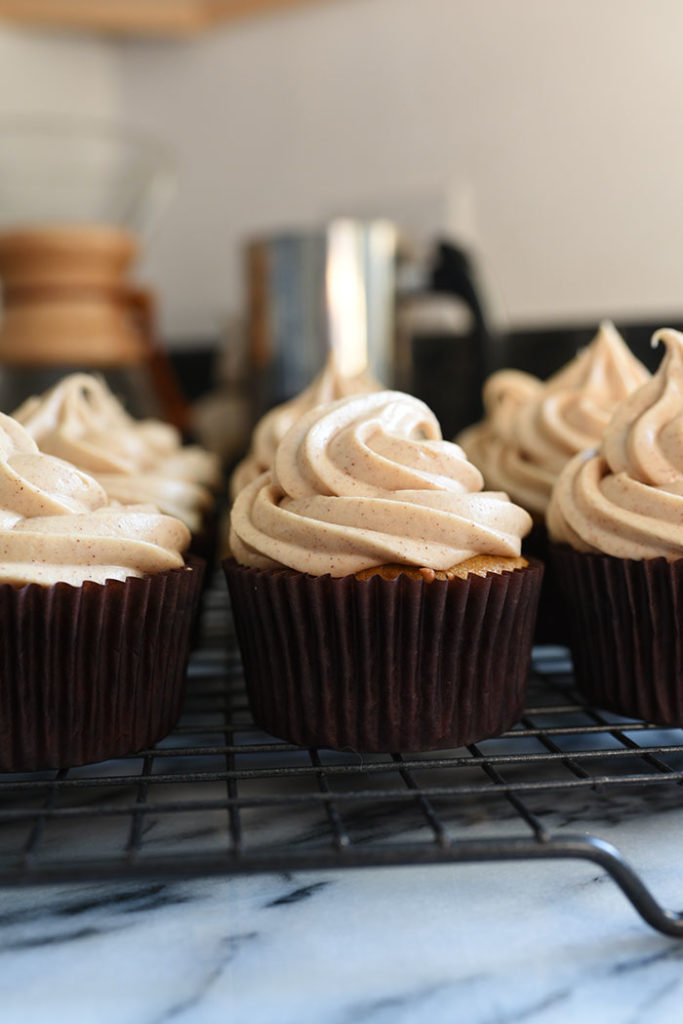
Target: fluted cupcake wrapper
<point>626,618</point>
<point>92,672</point>
<point>381,665</point>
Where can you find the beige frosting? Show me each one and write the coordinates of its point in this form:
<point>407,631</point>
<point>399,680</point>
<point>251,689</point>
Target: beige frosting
<point>367,480</point>
<point>626,498</point>
<point>531,429</point>
<point>489,444</point>
<point>81,421</point>
<point>57,525</point>
<point>180,498</point>
<point>329,385</point>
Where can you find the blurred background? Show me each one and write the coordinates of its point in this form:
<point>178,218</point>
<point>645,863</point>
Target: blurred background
<point>539,140</point>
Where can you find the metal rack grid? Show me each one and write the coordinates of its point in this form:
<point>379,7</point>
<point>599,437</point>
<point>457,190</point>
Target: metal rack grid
<point>217,796</point>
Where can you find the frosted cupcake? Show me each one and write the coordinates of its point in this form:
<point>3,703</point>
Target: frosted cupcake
<point>616,520</point>
<point>96,604</point>
<point>532,429</point>
<point>80,420</point>
<point>379,595</point>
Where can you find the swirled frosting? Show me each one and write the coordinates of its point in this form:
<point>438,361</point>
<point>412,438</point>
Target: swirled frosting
<point>329,385</point>
<point>365,481</point>
<point>489,443</point>
<point>532,430</point>
<point>57,525</point>
<point>626,498</point>
<point>80,420</point>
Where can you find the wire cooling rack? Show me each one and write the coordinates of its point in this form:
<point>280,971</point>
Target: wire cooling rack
<point>217,796</point>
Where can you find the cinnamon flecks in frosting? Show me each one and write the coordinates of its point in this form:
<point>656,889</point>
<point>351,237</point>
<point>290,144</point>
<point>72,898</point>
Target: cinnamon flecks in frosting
<point>368,480</point>
<point>80,420</point>
<point>626,498</point>
<point>329,385</point>
<point>57,525</point>
<point>532,429</point>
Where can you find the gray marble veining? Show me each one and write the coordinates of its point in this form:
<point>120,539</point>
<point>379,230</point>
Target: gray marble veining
<point>484,943</point>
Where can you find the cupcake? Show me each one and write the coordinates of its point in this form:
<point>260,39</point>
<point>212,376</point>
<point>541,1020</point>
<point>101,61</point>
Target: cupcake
<point>96,605</point>
<point>532,429</point>
<point>616,523</point>
<point>136,461</point>
<point>329,385</point>
<point>379,596</point>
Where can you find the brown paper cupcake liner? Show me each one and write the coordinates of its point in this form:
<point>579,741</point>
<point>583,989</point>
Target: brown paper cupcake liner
<point>626,621</point>
<point>92,672</point>
<point>381,665</point>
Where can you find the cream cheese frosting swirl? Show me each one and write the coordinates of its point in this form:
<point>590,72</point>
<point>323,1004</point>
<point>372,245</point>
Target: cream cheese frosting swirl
<point>489,443</point>
<point>531,432</point>
<point>365,481</point>
<point>329,385</point>
<point>626,498</point>
<point>57,525</point>
<point>80,420</point>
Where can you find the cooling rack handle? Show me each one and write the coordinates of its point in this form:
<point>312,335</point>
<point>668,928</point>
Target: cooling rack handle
<point>670,922</point>
<point>589,848</point>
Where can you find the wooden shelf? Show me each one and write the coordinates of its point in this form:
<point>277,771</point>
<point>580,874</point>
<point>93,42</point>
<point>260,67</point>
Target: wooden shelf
<point>137,17</point>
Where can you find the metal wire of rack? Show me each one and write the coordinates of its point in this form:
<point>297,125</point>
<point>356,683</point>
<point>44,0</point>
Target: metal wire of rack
<point>218,797</point>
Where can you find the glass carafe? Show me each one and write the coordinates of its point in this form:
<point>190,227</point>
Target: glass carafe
<point>77,201</point>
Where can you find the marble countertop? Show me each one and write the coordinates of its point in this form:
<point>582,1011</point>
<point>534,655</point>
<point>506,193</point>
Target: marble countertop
<point>487,943</point>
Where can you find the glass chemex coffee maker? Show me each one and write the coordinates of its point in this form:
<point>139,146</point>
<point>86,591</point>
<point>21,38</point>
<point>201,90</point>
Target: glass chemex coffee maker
<point>78,199</point>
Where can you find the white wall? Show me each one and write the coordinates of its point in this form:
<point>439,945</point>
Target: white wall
<point>565,118</point>
<point>47,73</point>
<point>563,121</point>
